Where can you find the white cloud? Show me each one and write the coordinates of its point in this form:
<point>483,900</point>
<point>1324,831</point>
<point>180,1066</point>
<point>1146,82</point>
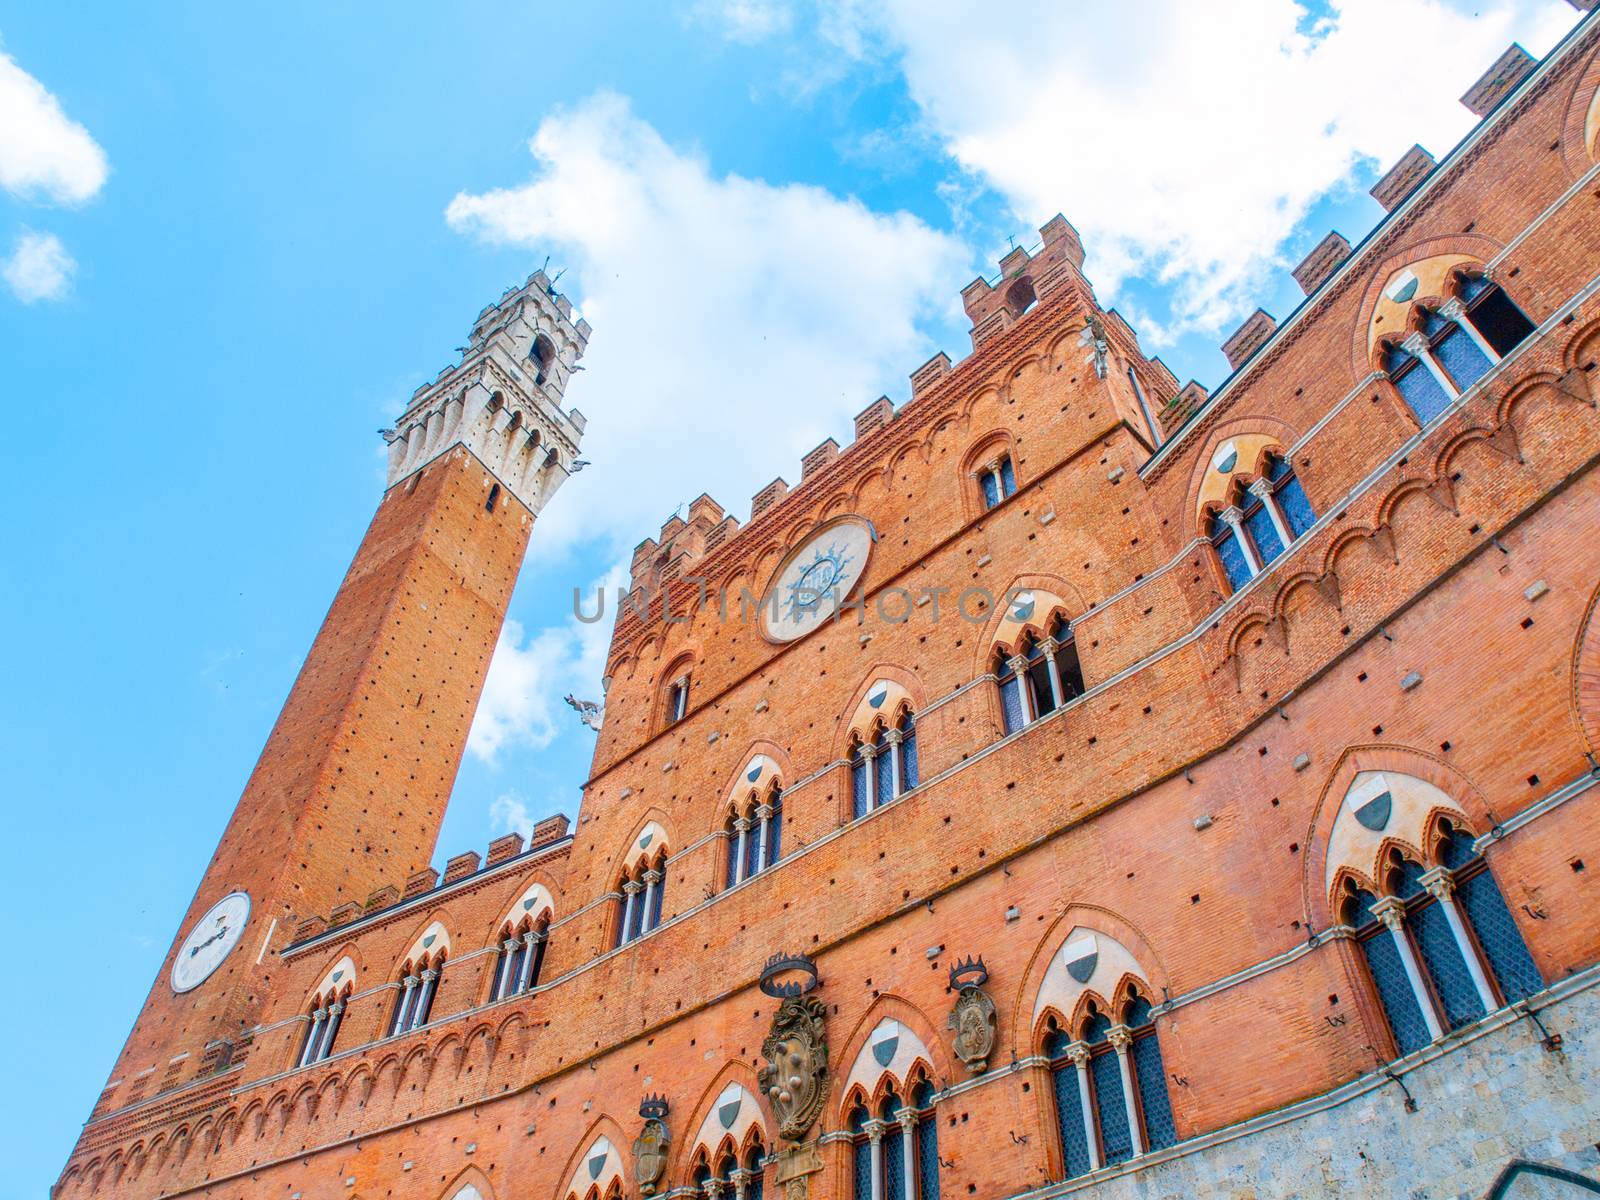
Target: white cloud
<point>746,21</point>
<point>39,268</point>
<point>522,703</point>
<point>509,813</point>
<point>737,323</point>
<point>1186,141</point>
<point>44,154</point>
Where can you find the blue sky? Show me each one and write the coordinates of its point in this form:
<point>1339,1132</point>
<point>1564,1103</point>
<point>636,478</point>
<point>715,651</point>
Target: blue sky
<point>233,241</point>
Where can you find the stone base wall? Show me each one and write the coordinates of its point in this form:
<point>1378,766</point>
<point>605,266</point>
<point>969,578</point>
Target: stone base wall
<point>1489,1095</point>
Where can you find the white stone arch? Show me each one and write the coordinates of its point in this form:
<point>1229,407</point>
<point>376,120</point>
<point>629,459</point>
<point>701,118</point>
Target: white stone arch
<point>534,903</point>
<point>730,1117</point>
<point>1378,809</point>
<point>339,979</point>
<point>1088,961</point>
<point>598,1168</point>
<point>891,1050</point>
<point>647,847</point>
<point>429,945</point>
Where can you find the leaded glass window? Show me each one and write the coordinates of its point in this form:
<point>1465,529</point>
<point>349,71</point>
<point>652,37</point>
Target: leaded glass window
<point>927,1138</point>
<point>1069,1111</point>
<point>1461,358</point>
<point>1416,385</point>
<point>1011,702</point>
<point>775,830</point>
<point>1388,973</point>
<point>1150,1077</point>
<point>908,753</point>
<point>1234,564</point>
<point>883,772</point>
<point>858,782</point>
<point>1503,325</point>
<point>1263,533</point>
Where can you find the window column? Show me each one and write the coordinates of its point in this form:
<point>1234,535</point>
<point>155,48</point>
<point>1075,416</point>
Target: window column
<point>402,1006</point>
<point>763,829</point>
<point>1261,489</point>
<point>1121,1037</point>
<point>652,879</point>
<point>630,904</point>
<point>1018,665</point>
<point>502,985</point>
<point>430,981</point>
<point>1454,310</point>
<point>891,747</point>
<point>1049,646</point>
<point>1079,1053</point>
<point>874,1129</point>
<point>868,753</point>
<point>1234,520</point>
<point>908,1146</point>
<point>1417,346</point>
<point>335,1011</point>
<point>1391,912</point>
<point>308,1054</point>
<point>1441,886</point>
<point>741,1181</point>
<point>742,824</point>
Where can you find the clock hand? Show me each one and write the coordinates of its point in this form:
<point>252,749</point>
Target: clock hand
<point>219,933</point>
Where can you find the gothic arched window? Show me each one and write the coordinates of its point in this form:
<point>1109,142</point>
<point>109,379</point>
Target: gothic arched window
<point>1454,345</point>
<point>884,768</point>
<point>520,958</point>
<point>325,1015</point>
<point>418,984</point>
<point>1110,1089</point>
<point>1268,517</point>
<point>997,481</point>
<point>754,835</point>
<point>895,1155</point>
<point>1441,946</point>
<point>639,898</point>
<point>1044,675</point>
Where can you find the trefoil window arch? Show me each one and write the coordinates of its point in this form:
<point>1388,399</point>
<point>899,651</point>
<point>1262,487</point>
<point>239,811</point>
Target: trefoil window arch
<point>886,767</point>
<point>754,835</point>
<point>639,899</point>
<point>895,1147</point>
<point>419,983</point>
<point>1268,517</point>
<point>1454,345</point>
<point>520,958</point>
<point>325,1014</point>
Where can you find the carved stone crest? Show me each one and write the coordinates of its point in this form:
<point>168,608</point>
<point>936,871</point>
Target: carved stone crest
<point>973,1018</point>
<point>795,1077</point>
<point>651,1146</point>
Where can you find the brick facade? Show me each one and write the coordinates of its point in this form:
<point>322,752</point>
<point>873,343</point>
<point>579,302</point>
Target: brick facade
<point>1187,813</point>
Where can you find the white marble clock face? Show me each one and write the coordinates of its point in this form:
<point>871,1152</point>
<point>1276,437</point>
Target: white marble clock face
<point>209,942</point>
<point>816,576</point>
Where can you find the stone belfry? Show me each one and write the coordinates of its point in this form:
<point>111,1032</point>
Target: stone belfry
<point>349,792</point>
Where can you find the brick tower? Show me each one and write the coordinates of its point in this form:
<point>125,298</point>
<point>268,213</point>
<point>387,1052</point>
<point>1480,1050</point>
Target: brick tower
<point>351,787</point>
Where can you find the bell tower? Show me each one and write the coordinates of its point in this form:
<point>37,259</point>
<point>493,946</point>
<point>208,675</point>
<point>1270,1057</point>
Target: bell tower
<point>351,786</point>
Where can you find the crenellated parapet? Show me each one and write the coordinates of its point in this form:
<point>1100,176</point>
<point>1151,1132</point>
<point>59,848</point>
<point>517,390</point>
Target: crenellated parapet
<point>503,399</point>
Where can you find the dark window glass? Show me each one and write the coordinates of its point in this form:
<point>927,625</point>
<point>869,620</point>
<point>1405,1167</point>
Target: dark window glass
<point>1069,1110</point>
<point>754,1189</point>
<point>657,894</point>
<point>1151,1077</point>
<point>1110,1107</point>
<point>1452,982</point>
<point>883,770</point>
<point>775,831</point>
<point>1008,478</point>
<point>1039,685</point>
<point>425,1004</point>
<point>1229,552</point>
<point>1067,665</point>
<point>908,754</point>
<point>1421,391</point>
<point>1011,703</point>
<point>894,1162</point>
<point>991,489</point>
<point>733,856</point>
<point>928,1156</point>
<point>538,961</point>
<point>1501,322</point>
<point>514,971</point>
<point>1459,355</point>
<point>1258,522</point>
<point>752,846</point>
<point>863,1170</point>
<point>1473,286</point>
<point>858,784</point>
<point>1389,978</point>
<point>1485,909</point>
<point>1296,506</point>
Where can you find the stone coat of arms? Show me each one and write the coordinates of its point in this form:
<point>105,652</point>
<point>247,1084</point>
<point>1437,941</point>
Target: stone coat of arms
<point>651,1146</point>
<point>973,1017</point>
<point>795,1077</point>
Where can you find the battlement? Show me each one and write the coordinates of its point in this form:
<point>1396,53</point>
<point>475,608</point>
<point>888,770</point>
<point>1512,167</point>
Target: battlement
<point>681,543</point>
<point>546,834</point>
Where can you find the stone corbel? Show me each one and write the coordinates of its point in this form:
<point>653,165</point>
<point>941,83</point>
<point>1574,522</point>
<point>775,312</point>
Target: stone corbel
<point>1575,384</point>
